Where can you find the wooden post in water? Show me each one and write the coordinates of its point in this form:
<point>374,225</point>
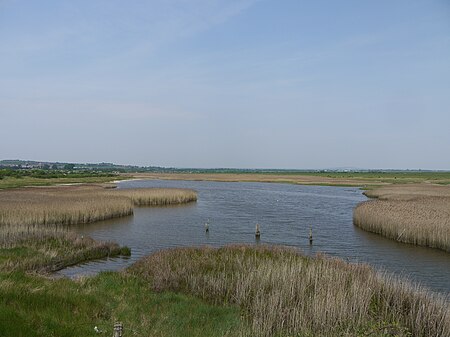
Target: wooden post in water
<point>257,231</point>
<point>310,236</point>
<point>118,329</point>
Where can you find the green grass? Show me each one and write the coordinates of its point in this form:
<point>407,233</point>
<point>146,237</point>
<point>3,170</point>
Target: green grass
<point>32,304</point>
<point>13,182</point>
<point>35,306</point>
<point>357,179</point>
<point>394,177</point>
<point>391,177</point>
<point>49,248</point>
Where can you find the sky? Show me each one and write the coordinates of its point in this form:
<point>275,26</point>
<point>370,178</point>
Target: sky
<point>287,84</point>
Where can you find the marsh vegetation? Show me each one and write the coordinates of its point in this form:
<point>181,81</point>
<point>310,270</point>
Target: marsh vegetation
<point>329,178</point>
<point>68,205</point>
<point>416,214</point>
<point>157,196</point>
<point>282,293</point>
<point>35,306</point>
<point>231,291</point>
<point>50,248</point>
<point>234,291</point>
<point>14,178</point>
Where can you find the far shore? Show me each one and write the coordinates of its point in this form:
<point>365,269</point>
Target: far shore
<point>263,178</point>
<point>366,180</point>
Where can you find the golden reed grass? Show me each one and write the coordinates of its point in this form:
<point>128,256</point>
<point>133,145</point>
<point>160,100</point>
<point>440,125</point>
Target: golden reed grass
<point>285,294</point>
<point>157,196</point>
<point>408,191</point>
<point>416,214</point>
<point>80,204</point>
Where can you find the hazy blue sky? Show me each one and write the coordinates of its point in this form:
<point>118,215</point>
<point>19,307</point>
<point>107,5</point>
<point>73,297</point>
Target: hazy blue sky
<point>227,83</point>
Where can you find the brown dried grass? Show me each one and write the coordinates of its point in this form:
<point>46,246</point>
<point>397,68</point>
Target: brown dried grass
<point>408,192</point>
<point>424,221</point>
<point>69,205</point>
<point>416,214</point>
<point>284,293</point>
<point>158,196</point>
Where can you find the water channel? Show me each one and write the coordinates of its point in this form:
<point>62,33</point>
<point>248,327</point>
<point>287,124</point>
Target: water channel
<point>285,213</point>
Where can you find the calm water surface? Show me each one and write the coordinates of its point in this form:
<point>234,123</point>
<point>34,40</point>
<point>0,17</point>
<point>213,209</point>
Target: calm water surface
<point>285,213</point>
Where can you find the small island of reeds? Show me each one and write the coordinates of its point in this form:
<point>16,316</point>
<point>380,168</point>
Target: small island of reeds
<point>68,205</point>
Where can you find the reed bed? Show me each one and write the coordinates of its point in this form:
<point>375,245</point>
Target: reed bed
<point>416,214</point>
<point>68,205</point>
<point>282,293</point>
<point>423,221</point>
<point>158,196</point>
<point>408,191</point>
<point>49,248</point>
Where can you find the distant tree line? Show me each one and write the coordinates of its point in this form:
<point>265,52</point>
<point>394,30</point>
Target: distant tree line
<point>52,173</point>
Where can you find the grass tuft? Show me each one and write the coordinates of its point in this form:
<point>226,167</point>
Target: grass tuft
<point>285,294</point>
<point>47,249</point>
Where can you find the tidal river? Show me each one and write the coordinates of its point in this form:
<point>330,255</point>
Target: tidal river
<point>285,213</point>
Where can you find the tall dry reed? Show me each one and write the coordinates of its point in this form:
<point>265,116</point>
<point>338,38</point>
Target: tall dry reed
<point>407,192</point>
<point>417,214</point>
<point>423,221</point>
<point>157,196</point>
<point>283,293</point>
<point>69,205</point>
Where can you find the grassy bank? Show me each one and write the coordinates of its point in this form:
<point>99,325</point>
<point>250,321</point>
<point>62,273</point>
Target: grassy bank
<point>80,204</point>
<point>284,294</point>
<point>16,182</point>
<point>50,248</point>
<point>232,291</point>
<point>416,214</point>
<point>358,179</point>
<point>35,306</point>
